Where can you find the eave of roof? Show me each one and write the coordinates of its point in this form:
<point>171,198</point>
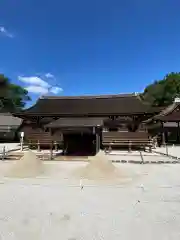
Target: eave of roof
<point>75,122</point>
<point>7,119</point>
<point>88,106</point>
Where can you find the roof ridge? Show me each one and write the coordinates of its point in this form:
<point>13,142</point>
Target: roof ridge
<point>116,104</point>
<point>91,96</point>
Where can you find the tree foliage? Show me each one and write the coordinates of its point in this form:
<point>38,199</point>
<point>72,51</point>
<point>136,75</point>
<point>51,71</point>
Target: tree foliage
<point>163,92</point>
<point>12,97</point>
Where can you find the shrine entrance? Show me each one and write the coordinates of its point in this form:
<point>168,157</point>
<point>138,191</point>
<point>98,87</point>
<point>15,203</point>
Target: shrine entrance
<point>81,136</point>
<point>79,144</point>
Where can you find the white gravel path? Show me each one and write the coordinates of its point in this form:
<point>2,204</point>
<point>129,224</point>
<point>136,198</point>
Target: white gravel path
<point>9,146</point>
<point>145,207</point>
<point>170,149</point>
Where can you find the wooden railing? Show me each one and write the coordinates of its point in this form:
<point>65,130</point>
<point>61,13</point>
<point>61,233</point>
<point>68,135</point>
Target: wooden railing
<point>43,140</point>
<point>126,139</point>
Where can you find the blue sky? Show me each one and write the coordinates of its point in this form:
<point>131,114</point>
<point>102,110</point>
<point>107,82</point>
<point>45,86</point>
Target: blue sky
<point>88,47</point>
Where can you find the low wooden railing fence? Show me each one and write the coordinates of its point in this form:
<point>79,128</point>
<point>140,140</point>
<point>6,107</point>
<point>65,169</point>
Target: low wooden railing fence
<point>126,139</point>
<point>43,140</point>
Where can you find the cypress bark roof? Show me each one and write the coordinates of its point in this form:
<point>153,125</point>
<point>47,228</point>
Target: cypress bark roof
<point>8,122</point>
<point>88,105</point>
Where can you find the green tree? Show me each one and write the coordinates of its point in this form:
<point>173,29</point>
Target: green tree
<point>163,92</point>
<point>12,97</point>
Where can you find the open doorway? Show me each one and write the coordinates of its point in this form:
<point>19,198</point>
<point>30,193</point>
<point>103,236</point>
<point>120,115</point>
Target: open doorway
<point>80,144</point>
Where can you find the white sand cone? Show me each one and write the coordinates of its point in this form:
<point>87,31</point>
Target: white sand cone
<point>28,166</point>
<point>99,167</point>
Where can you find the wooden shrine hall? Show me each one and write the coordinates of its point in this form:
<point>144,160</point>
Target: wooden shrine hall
<point>83,124</point>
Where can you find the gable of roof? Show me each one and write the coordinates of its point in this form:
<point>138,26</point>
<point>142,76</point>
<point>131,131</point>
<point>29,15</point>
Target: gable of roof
<point>88,105</point>
<point>9,121</point>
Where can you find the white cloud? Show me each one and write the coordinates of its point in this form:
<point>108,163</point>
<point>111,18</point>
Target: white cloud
<point>33,80</point>
<point>2,29</point>
<point>37,89</point>
<point>5,32</point>
<point>56,90</point>
<point>49,75</point>
<point>39,86</point>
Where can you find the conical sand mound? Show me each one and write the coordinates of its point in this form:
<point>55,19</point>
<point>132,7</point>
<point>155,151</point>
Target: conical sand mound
<point>28,166</point>
<point>99,168</point>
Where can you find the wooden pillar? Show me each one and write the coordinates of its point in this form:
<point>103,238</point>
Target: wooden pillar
<point>63,150</point>
<point>163,134</point>
<point>97,140</point>
<point>38,145</point>
<point>130,146</point>
<point>178,133</point>
<point>56,146</point>
<point>150,145</point>
<point>51,152</point>
<point>4,153</point>
<point>96,143</point>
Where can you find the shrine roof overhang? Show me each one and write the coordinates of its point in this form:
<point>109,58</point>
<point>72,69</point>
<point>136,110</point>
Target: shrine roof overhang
<point>75,122</point>
<point>8,121</point>
<point>121,104</point>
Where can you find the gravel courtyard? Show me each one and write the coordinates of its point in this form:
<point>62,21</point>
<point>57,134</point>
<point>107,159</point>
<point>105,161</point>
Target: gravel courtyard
<point>144,204</point>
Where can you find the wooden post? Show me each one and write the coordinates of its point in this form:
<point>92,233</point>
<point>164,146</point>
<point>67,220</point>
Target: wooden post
<point>142,159</point>
<point>66,149</point>
<point>166,150</point>
<point>110,148</point>
<point>178,133</point>
<point>97,142</point>
<point>155,142</point>
<point>163,139</point>
<point>29,144</point>
<point>51,153</point>
<point>130,145</point>
<point>39,149</point>
<point>21,144</point>
<point>64,145</point>
<point>163,135</point>
<point>150,145</point>
<point>3,153</point>
<point>56,146</point>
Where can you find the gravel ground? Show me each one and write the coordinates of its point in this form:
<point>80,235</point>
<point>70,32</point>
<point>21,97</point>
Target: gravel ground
<point>9,146</point>
<point>144,205</point>
<point>171,150</point>
<point>135,155</point>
